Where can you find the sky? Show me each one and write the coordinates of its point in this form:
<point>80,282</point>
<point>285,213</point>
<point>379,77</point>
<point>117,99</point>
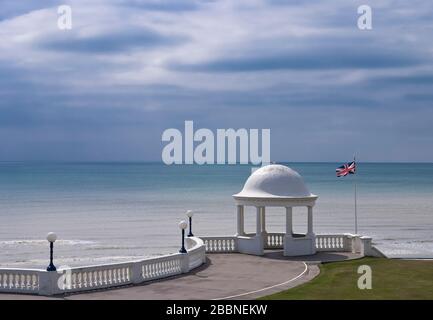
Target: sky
<point>127,70</point>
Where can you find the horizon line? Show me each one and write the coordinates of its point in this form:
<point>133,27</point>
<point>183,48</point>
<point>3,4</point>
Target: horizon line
<point>195,164</point>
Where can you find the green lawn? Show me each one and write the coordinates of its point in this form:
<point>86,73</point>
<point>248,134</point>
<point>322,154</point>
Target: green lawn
<point>391,279</point>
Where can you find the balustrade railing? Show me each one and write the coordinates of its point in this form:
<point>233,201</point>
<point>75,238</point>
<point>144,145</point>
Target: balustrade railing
<point>162,267</point>
<point>34,281</point>
<point>196,252</point>
<point>102,276</point>
<point>333,242</point>
<point>18,280</point>
<point>324,242</point>
<point>274,241</point>
<point>220,244</point>
<point>98,277</point>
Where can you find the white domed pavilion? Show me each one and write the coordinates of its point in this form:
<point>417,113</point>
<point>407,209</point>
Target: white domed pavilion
<point>275,186</point>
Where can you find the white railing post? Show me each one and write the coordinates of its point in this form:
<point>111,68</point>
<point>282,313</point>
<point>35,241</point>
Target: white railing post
<point>48,283</point>
<point>356,244</point>
<point>136,270</point>
<point>184,263</point>
<point>44,284</point>
<point>348,242</point>
<point>366,246</point>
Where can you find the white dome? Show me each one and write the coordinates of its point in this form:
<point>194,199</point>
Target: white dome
<point>275,181</point>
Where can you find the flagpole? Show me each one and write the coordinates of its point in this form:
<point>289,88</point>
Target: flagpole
<point>354,186</point>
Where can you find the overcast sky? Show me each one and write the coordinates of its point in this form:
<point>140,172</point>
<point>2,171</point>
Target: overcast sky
<point>128,70</point>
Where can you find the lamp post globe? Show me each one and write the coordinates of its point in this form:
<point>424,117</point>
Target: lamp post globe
<point>189,214</point>
<point>182,226</point>
<point>51,238</point>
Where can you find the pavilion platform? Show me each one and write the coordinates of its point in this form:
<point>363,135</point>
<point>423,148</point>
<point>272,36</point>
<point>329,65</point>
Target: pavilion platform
<point>224,276</point>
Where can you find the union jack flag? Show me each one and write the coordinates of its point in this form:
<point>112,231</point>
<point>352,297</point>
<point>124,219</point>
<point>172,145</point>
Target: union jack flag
<point>345,169</point>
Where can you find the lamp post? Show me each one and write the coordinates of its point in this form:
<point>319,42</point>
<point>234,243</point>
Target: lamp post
<point>51,237</point>
<point>189,214</point>
<point>182,226</point>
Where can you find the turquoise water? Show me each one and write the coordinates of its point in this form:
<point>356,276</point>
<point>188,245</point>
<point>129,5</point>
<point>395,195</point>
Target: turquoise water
<point>106,212</point>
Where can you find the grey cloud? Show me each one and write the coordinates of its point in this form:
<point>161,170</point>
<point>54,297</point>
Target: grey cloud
<point>48,109</point>
<point>414,79</point>
<point>311,57</point>
<point>110,41</point>
<point>419,97</point>
<point>13,8</point>
<point>167,5</point>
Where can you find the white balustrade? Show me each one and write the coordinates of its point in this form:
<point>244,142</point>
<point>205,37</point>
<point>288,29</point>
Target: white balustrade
<point>220,244</point>
<point>196,252</point>
<point>161,267</point>
<point>333,242</point>
<point>99,277</point>
<point>19,280</point>
<point>103,276</point>
<point>35,281</point>
<point>324,242</point>
<point>274,241</point>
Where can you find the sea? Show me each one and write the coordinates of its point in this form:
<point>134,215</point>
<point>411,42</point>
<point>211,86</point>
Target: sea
<point>114,212</point>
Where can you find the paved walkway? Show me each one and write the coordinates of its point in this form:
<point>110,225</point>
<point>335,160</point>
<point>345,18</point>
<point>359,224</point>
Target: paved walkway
<point>224,276</point>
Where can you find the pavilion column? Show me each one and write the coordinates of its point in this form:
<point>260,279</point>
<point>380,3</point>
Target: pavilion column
<point>310,220</point>
<point>289,223</point>
<point>263,219</point>
<point>258,221</point>
<point>240,220</point>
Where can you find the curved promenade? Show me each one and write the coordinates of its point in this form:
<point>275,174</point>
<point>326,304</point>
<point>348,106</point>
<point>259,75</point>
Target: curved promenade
<point>224,276</point>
